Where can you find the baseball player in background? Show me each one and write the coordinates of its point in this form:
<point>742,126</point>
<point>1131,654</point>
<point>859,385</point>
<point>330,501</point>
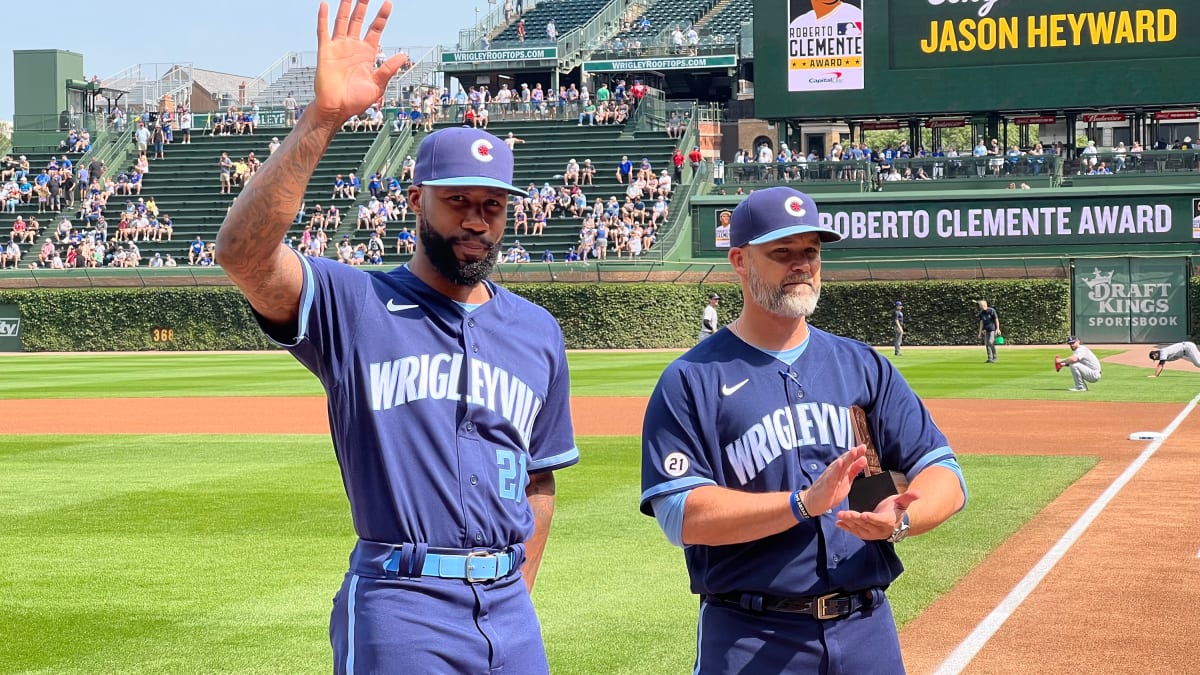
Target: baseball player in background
<point>898,326</point>
<point>748,455</point>
<point>1179,350</point>
<point>708,319</point>
<point>446,425</point>
<point>1084,365</point>
<point>989,328</point>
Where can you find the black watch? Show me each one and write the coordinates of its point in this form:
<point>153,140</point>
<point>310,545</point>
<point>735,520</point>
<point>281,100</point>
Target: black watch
<point>901,532</point>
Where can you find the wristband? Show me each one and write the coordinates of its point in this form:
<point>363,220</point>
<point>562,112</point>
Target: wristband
<point>798,509</point>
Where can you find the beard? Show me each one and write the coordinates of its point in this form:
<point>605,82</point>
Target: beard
<point>440,251</point>
<point>791,302</point>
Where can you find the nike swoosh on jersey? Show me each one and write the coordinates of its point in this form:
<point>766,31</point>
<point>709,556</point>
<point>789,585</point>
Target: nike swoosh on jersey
<point>393,307</point>
<point>727,390</point>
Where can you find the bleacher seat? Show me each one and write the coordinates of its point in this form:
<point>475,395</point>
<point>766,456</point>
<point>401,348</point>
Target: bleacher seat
<point>567,15</point>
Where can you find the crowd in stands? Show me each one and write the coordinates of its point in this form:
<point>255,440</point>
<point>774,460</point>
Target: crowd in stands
<point>611,103</point>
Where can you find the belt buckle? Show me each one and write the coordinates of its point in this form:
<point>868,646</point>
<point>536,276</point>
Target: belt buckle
<point>480,554</point>
<point>820,608</point>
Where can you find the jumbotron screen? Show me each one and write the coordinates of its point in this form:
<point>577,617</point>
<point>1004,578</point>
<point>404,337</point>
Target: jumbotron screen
<point>838,59</point>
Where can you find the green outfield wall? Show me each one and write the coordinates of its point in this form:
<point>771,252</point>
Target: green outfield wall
<point>1084,221</point>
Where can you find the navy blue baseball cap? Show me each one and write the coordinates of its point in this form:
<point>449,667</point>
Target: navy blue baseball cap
<point>775,213</point>
<point>465,157</point>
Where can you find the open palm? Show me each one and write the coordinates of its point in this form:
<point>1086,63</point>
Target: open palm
<point>347,80</point>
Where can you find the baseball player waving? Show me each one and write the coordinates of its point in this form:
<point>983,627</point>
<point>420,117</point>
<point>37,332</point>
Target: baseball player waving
<point>446,424</point>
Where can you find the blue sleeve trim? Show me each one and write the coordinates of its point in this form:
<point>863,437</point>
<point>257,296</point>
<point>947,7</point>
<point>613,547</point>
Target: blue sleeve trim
<point>561,460</point>
<point>306,302</point>
<point>680,485</point>
<point>668,510</point>
<point>943,457</point>
<point>930,458</point>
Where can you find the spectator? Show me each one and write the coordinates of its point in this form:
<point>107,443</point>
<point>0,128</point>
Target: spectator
<point>158,138</point>
<point>511,140</point>
<point>624,169</point>
<point>589,114</point>
<point>674,126</point>
<point>289,108</point>
<point>196,250</point>
<point>551,31</point>
<point>521,30</point>
<point>141,136</point>
<point>587,172</point>
<point>225,168</point>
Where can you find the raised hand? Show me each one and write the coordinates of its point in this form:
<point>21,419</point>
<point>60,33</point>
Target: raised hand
<point>347,80</point>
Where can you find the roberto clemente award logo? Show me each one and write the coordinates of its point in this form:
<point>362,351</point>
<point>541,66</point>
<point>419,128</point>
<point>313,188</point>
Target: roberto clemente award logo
<point>825,45</point>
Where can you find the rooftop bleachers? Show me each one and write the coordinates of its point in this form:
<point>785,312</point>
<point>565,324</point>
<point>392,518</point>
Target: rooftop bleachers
<point>728,20</point>
<point>566,14</point>
<point>666,14</point>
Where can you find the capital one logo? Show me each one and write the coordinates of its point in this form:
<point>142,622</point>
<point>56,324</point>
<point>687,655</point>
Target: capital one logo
<point>1145,298</point>
<point>10,328</point>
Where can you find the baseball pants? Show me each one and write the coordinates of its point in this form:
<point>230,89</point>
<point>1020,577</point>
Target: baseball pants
<point>1191,353</point>
<point>989,341</point>
<point>1084,374</point>
<point>435,626</point>
<point>733,640</point>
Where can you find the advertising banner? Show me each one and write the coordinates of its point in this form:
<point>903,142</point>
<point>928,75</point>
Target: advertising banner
<point>10,328</point>
<point>1138,300</point>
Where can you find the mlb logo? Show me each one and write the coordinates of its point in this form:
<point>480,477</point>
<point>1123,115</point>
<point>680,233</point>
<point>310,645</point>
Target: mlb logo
<point>850,28</point>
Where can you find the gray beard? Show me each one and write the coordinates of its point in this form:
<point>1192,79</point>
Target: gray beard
<point>778,300</point>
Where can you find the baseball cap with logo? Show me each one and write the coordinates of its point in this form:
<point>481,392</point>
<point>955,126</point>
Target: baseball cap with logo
<point>1071,339</point>
<point>775,213</point>
<point>465,157</point>
<point>714,296</point>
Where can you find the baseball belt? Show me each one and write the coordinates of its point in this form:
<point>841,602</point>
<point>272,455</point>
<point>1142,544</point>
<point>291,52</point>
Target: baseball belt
<point>420,560</point>
<point>829,606</point>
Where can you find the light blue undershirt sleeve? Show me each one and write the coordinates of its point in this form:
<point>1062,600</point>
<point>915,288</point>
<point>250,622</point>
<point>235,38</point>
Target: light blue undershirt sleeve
<point>668,510</point>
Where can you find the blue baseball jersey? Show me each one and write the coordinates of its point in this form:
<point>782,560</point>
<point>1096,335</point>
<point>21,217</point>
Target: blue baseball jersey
<point>437,414</point>
<point>728,414</point>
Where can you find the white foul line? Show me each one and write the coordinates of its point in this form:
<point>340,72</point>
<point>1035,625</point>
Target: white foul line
<point>969,647</point>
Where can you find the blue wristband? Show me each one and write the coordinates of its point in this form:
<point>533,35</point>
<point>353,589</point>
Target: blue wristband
<point>798,509</point>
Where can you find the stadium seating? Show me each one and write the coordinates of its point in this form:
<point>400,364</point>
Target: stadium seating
<point>186,184</point>
<point>567,15</point>
<point>666,14</point>
<point>541,159</point>
<point>728,20</point>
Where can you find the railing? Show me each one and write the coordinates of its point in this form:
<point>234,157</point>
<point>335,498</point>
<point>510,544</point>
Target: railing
<point>401,142</point>
<point>272,74</point>
<point>148,83</point>
<point>694,182</point>
<point>651,113</point>
<point>468,38</point>
<point>63,122</point>
<point>573,48</point>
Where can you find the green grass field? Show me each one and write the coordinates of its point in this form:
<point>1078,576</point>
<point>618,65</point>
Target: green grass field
<point>221,554</point>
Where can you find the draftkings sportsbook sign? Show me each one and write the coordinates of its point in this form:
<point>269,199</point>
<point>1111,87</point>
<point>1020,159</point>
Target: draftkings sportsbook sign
<point>1130,299</point>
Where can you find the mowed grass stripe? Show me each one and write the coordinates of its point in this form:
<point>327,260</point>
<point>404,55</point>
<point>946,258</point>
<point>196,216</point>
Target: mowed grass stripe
<point>950,372</point>
<point>220,554</point>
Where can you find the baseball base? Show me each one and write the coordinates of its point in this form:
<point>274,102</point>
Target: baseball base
<point>1145,436</point>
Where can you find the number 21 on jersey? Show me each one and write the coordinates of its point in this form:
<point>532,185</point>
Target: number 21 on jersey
<point>512,473</point>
